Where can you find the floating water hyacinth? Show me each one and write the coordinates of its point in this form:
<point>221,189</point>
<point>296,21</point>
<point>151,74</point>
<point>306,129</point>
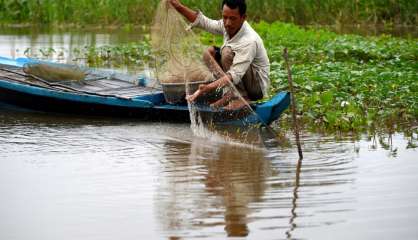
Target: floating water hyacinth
<point>343,82</point>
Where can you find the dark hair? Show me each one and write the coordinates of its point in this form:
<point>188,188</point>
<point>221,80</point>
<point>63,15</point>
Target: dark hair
<point>233,4</point>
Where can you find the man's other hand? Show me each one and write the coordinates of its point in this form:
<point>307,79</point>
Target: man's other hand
<point>201,91</point>
<point>174,3</point>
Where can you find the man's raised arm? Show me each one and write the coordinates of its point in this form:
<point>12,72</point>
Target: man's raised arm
<point>183,10</point>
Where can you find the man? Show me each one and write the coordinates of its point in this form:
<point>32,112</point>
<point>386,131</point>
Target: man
<point>241,60</point>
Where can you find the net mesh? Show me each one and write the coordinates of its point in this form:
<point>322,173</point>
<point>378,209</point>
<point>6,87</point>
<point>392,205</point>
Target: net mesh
<point>180,64</point>
<point>177,49</point>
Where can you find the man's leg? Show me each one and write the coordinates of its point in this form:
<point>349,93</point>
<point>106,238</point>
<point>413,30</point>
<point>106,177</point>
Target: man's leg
<point>252,84</point>
<point>236,98</point>
<point>231,98</point>
<point>209,57</point>
<point>212,59</point>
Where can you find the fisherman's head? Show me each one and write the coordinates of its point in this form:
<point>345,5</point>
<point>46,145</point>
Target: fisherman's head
<point>234,15</point>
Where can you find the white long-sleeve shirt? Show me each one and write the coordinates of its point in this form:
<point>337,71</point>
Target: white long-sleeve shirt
<point>247,46</point>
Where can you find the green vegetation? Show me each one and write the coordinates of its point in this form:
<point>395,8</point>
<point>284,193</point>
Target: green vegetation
<point>343,82</point>
<point>78,12</point>
<point>346,82</point>
<point>138,12</point>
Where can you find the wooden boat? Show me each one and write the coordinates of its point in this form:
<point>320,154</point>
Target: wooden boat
<point>98,95</point>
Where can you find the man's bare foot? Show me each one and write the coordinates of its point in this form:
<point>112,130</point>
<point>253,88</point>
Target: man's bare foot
<point>202,90</point>
<point>192,98</point>
<point>236,104</point>
<point>223,101</point>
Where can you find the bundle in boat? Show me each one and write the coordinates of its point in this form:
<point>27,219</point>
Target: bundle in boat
<point>54,72</point>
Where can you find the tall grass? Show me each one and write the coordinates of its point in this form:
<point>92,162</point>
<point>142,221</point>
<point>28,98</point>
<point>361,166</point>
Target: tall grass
<point>104,12</point>
<point>336,11</point>
<point>99,12</point>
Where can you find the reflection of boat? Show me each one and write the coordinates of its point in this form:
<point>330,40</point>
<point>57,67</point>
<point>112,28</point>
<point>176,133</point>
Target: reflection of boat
<point>98,95</point>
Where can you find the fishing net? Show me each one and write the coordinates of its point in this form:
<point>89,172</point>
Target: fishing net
<point>178,54</point>
<point>180,67</point>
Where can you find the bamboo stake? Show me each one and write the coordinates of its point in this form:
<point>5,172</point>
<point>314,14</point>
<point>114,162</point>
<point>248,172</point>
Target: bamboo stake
<point>293,103</point>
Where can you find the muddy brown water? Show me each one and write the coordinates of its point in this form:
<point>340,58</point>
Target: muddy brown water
<point>67,177</point>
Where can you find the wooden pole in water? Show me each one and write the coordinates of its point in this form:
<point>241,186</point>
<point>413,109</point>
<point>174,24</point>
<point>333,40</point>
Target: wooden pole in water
<point>293,103</point>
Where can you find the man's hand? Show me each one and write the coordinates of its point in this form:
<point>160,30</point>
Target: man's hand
<point>185,11</point>
<point>201,91</point>
<point>174,3</point>
<point>205,88</point>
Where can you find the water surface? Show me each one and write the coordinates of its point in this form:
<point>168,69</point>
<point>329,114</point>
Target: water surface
<point>66,177</point>
<point>28,41</point>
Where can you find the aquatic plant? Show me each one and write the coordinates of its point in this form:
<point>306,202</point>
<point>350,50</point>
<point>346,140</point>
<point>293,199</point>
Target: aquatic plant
<point>346,82</point>
<point>116,56</point>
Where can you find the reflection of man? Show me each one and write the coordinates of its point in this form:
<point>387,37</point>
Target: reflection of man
<point>242,56</point>
<point>238,176</point>
<point>228,178</point>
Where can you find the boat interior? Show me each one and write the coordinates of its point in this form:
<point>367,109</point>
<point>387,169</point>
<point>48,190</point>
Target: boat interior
<point>96,83</point>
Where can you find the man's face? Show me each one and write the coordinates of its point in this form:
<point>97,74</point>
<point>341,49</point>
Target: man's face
<point>232,20</point>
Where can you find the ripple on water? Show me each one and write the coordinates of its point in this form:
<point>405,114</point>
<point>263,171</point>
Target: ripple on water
<point>122,172</point>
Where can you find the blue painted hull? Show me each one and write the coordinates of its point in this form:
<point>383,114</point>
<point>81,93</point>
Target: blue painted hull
<point>147,106</point>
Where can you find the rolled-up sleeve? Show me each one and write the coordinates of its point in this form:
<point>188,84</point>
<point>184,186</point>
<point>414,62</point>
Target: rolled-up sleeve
<point>243,58</point>
<point>210,25</point>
